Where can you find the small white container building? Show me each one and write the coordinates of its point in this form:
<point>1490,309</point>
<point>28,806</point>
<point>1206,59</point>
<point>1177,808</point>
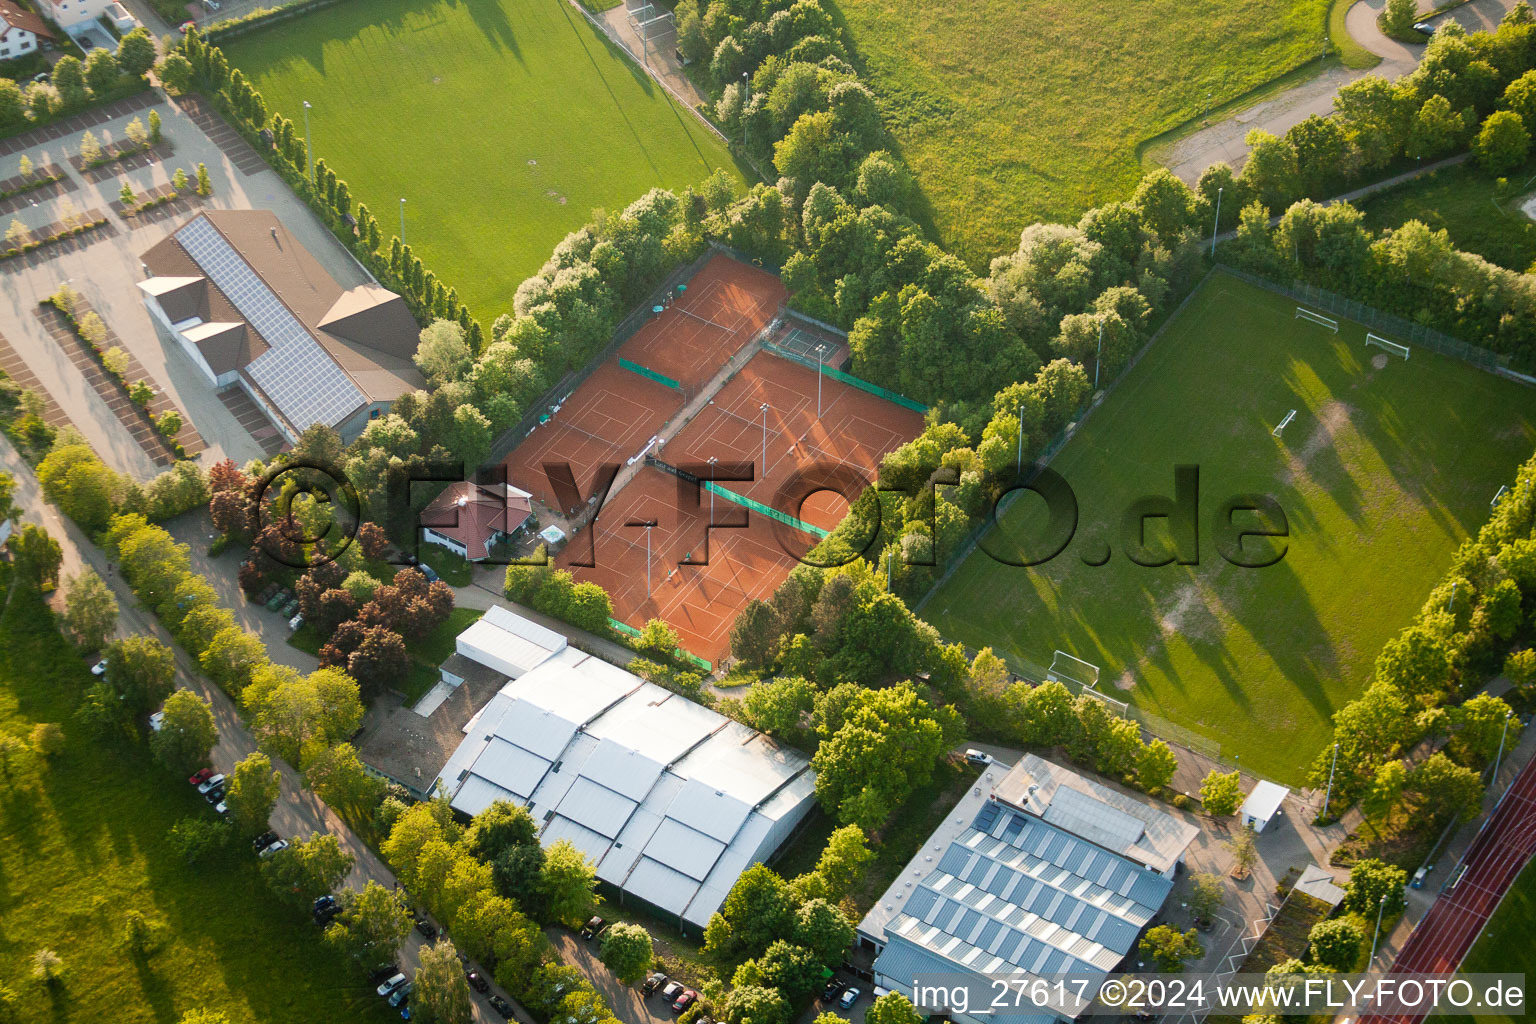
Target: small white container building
<point>1262,805</point>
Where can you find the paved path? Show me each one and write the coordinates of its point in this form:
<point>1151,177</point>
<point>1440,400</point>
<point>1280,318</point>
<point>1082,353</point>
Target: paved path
<point>1223,140</point>
<point>298,811</point>
<point>626,1001</point>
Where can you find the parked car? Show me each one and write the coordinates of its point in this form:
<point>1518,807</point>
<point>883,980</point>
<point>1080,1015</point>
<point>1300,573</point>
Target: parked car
<point>274,849</point>
<point>210,782</point>
<point>832,991</point>
<point>978,758</point>
<point>427,928</point>
<point>41,76</point>
<point>401,994</point>
<point>157,721</point>
<point>501,1006</point>
<point>382,972</point>
<point>269,592</point>
<point>264,840</point>
<point>654,982</point>
<point>325,908</point>
<point>390,983</point>
<point>100,668</point>
<point>849,998</point>
<point>295,624</point>
<point>592,927</point>
<point>1424,28</point>
<point>215,794</point>
<point>671,991</point>
<point>476,982</point>
<point>187,26</point>
<point>276,601</point>
<point>684,1001</point>
<point>427,571</point>
<point>200,776</point>
<point>291,609</point>
<point>221,807</point>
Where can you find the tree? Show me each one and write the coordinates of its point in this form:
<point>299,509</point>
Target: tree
<point>204,185</point>
<point>1244,853</point>
<point>1386,790</point>
<point>1503,143</point>
<point>792,970</point>
<point>253,790</point>
<point>1221,794</point>
<point>443,355</point>
<point>338,777</point>
<point>137,133</point>
<point>626,950</point>
<point>1436,130</point>
<point>824,930</point>
<point>299,715</point>
<point>567,882</point>
<point>372,925</point>
<point>1155,766</point>
<point>780,706</point>
<point>755,634</point>
<point>1371,881</point>
<point>90,610</point>
<point>202,1016</point>
<point>198,837</point>
<point>38,556</point>
<point>175,73</point>
<point>308,869</point>
<point>169,424</point>
<point>502,826</point>
<point>69,80</point>
<point>156,133</point>
<point>231,657</point>
<point>1337,944</point>
<point>1481,729</point>
<point>187,734</point>
<point>13,106</point>
<point>1447,788</point>
<point>755,1004</point>
<point>380,660</point>
<point>142,670</point>
<point>841,863</point>
<point>1520,668</point>
<point>1398,17</point>
<point>1169,948</point>
<point>1207,894</point>
<point>758,910</point>
<point>892,1008</point>
<point>102,71</point>
<point>442,993</point>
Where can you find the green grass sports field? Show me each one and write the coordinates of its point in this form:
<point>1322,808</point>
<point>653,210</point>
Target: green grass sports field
<point>1014,113</point>
<point>1388,466</point>
<point>503,123</point>
<point>87,844</point>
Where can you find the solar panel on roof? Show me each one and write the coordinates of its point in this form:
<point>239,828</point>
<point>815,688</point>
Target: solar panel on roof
<point>296,373</point>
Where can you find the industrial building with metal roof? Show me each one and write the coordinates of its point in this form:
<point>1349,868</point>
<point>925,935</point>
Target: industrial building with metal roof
<point>1038,872</point>
<point>252,307</point>
<point>670,800</point>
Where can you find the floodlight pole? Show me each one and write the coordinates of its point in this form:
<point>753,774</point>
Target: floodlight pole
<point>744,98</point>
<point>1494,778</point>
<point>820,355</point>
<point>1019,467</point>
<point>1380,909</point>
<point>765,438</point>
<point>1099,357</point>
<point>1331,767</point>
<point>402,220</point>
<point>1216,227</point>
<point>712,461</point>
<point>309,155</point>
<point>648,561</point>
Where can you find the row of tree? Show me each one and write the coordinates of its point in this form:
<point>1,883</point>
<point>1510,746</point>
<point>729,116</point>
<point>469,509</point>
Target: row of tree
<point>90,492</point>
<point>74,84</point>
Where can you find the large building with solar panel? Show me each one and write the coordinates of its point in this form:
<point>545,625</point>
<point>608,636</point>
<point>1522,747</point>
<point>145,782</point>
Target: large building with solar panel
<point>254,309</point>
<point>1037,872</point>
<point>671,801</point>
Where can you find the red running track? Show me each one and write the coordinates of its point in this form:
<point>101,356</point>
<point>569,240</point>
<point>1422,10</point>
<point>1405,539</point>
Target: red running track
<point>1500,850</point>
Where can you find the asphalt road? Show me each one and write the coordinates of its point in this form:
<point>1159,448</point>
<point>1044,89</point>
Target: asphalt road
<point>298,811</point>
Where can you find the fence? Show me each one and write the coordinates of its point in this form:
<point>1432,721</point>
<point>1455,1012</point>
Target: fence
<point>263,17</point>
<point>1400,328</point>
<point>848,378</point>
<point>739,499</point>
<point>539,409</point>
<point>688,656</point>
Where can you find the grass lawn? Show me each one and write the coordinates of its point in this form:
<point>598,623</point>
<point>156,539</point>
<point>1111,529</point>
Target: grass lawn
<point>1508,943</point>
<point>88,845</point>
<point>503,123</point>
<point>1385,471</point>
<point>1043,120</point>
<point>1466,203</point>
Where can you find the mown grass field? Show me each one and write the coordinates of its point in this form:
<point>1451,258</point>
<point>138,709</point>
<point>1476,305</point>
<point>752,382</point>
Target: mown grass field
<point>1385,470</point>
<point>86,844</point>
<point>1464,200</point>
<point>1011,114</point>
<point>503,123</point>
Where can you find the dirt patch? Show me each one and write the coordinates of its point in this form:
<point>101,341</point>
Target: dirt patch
<point>1126,681</point>
<point>1332,418</point>
<point>1379,361</point>
<point>1190,616</point>
<point>556,196</point>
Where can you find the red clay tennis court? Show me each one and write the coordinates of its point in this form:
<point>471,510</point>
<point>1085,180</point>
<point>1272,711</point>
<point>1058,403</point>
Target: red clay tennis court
<point>791,447</point>
<point>724,307</point>
<point>607,419</point>
<point>699,600</point>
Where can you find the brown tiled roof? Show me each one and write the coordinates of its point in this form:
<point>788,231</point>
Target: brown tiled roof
<point>472,513</point>
<point>28,21</point>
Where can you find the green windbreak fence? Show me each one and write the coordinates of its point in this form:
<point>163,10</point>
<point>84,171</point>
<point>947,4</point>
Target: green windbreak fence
<point>650,374</point>
<point>761,509</point>
<point>688,656</point>
<point>849,379</point>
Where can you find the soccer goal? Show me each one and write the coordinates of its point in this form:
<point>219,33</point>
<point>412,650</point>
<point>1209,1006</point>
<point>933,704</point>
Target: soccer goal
<point>1303,313</point>
<point>1503,490</point>
<point>1284,423</point>
<point>1391,346</point>
<point>1064,667</point>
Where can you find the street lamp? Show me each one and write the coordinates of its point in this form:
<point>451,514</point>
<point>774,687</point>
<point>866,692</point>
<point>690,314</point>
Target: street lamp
<point>1216,227</point>
<point>1099,357</point>
<point>1494,778</point>
<point>1380,909</point>
<point>309,155</point>
<point>1331,767</point>
<point>745,86</point>
<point>1019,467</point>
<point>402,220</point>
